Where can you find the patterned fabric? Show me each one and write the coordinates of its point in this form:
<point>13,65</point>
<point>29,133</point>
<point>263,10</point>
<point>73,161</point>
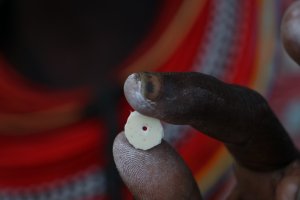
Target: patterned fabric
<point>86,185</point>
<point>236,41</point>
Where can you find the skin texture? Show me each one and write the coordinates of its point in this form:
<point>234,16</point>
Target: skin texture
<point>237,116</point>
<point>147,173</point>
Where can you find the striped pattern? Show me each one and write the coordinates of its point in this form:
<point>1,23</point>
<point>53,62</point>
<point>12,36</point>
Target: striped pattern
<point>85,185</point>
<point>220,39</point>
<point>233,40</point>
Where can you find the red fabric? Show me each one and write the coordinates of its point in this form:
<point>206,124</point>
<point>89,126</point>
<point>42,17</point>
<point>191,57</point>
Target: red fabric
<point>19,95</point>
<point>51,155</point>
<point>242,68</point>
<point>198,149</point>
<point>183,58</point>
<point>33,159</point>
<point>165,16</point>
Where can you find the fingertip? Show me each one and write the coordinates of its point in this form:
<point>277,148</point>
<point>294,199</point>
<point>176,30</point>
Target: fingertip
<point>135,95</point>
<point>289,186</point>
<point>290,31</point>
<point>158,173</point>
<point>288,190</point>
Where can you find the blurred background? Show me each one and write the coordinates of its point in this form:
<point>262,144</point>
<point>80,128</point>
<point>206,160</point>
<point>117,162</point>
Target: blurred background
<point>62,68</point>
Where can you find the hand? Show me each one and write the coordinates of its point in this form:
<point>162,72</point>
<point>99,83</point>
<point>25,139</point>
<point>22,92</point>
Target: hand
<point>241,118</point>
<point>267,164</point>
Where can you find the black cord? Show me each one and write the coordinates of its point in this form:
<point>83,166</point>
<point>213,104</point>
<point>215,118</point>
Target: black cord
<point>105,107</point>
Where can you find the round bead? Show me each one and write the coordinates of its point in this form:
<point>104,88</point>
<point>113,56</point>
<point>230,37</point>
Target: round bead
<point>143,132</point>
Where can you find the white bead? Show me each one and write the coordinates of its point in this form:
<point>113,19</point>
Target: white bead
<point>143,132</point>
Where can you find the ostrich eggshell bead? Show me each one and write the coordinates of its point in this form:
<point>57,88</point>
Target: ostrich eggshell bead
<point>143,132</point>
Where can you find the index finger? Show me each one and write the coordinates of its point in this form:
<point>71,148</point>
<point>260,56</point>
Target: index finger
<point>235,115</point>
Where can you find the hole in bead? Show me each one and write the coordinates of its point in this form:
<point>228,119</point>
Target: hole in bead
<point>145,128</point>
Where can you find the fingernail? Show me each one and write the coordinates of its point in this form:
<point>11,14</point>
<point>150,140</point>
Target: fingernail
<point>291,191</point>
<point>150,85</point>
<point>142,90</point>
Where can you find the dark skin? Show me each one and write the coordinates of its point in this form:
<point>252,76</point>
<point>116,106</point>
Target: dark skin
<point>45,40</point>
<point>267,164</point>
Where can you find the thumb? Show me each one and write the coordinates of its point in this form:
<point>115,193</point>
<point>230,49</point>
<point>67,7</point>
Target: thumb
<point>158,173</point>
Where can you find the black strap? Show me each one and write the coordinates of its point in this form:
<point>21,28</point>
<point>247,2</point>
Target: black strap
<point>105,105</point>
